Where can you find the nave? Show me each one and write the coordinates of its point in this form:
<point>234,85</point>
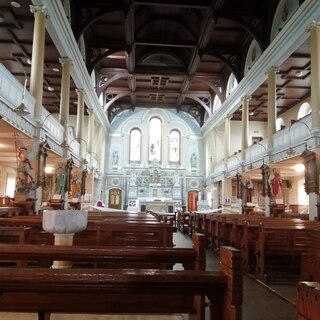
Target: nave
<point>260,302</point>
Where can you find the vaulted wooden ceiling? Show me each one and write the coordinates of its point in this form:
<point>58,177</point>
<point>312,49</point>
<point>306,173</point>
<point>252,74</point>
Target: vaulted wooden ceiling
<point>174,54</point>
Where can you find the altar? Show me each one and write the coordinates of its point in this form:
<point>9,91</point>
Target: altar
<point>161,205</point>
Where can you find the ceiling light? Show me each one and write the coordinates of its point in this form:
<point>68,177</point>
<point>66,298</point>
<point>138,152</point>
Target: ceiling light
<point>50,88</point>
<point>15,4</point>
<point>299,73</point>
<point>22,109</point>
<point>29,61</point>
<point>251,113</point>
<point>55,69</point>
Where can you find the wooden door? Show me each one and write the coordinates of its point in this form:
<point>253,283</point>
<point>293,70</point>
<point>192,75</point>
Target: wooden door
<point>192,200</point>
<point>115,198</point>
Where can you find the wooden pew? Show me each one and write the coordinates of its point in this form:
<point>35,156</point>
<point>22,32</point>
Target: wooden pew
<point>278,251</point>
<point>125,290</point>
<point>105,231</point>
<point>310,261</point>
<point>167,217</point>
<point>126,233</point>
<point>183,221</point>
<point>308,300</point>
<point>107,257</point>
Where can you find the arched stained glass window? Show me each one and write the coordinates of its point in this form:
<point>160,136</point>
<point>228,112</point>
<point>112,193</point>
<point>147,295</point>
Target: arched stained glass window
<point>155,140</point>
<point>135,145</point>
<point>174,146</point>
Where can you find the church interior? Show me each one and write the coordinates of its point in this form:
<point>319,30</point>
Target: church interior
<point>189,117</point>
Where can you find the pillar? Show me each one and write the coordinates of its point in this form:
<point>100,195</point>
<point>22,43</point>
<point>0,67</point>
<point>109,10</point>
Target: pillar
<point>272,106</point>
<point>213,148</point>
<point>245,126</point>
<point>315,76</point>
<point>65,95</point>
<point>226,140</point>
<point>38,46</point>
<point>80,120</point>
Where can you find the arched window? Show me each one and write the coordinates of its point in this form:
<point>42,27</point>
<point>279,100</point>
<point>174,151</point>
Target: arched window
<point>135,145</point>
<point>279,124</point>
<point>155,134</point>
<point>174,146</point>
<point>232,84</point>
<point>304,110</point>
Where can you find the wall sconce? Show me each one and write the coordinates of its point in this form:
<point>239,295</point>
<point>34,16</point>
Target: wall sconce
<point>291,151</point>
<point>21,110</point>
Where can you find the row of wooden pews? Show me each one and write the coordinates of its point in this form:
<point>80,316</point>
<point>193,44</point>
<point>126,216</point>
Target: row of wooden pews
<point>102,229</point>
<point>101,256</point>
<point>308,290</point>
<point>275,249</point>
<point>271,247</point>
<point>126,291</point>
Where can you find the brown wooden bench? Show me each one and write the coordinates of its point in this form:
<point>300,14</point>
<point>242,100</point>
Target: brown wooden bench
<point>310,261</point>
<point>183,221</point>
<point>107,257</point>
<point>125,290</point>
<point>167,217</point>
<point>278,251</point>
<point>308,300</point>
<point>106,231</point>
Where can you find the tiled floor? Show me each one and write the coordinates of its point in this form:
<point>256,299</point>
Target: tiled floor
<point>259,301</point>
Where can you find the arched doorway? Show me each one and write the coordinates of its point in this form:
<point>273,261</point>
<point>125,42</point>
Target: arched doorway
<point>192,200</point>
<point>115,198</point>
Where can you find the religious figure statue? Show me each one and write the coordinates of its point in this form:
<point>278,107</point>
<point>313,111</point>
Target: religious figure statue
<point>115,158</point>
<point>248,186</point>
<point>193,160</point>
<point>133,178</point>
<point>275,183</point>
<point>24,168</point>
<point>76,185</point>
<point>61,179</point>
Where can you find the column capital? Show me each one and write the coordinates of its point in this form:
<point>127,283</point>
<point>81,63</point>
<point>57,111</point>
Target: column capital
<point>272,70</point>
<point>313,25</point>
<point>64,60</point>
<point>80,91</point>
<point>245,98</point>
<point>39,8</point>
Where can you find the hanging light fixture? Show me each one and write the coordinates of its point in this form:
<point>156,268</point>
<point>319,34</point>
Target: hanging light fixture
<point>22,109</point>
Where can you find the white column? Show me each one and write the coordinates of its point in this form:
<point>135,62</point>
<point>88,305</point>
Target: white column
<point>272,106</point>
<point>226,140</point>
<point>90,130</point>
<point>213,148</point>
<point>65,95</point>
<point>80,121</point>
<point>315,76</point>
<point>245,126</point>
<point>38,45</point>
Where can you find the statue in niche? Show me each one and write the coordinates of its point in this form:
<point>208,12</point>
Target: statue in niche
<point>115,158</point>
<point>193,160</point>
<point>133,178</point>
